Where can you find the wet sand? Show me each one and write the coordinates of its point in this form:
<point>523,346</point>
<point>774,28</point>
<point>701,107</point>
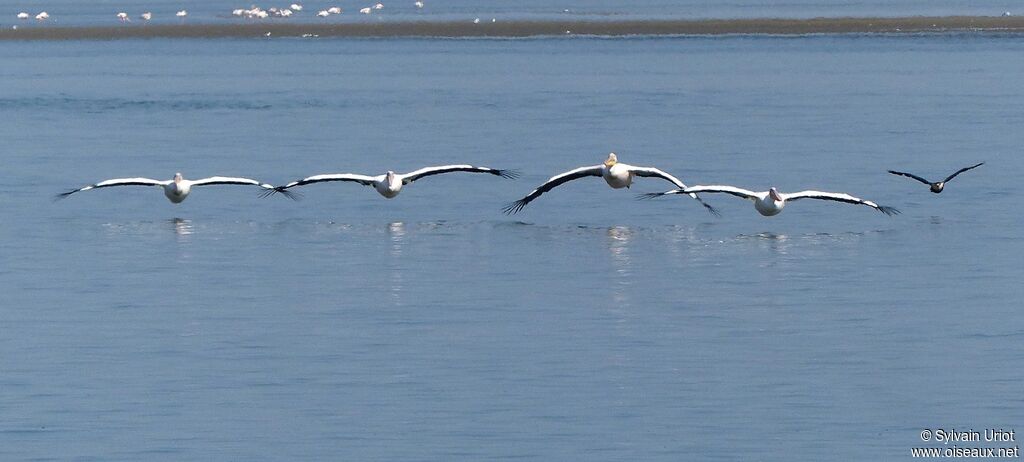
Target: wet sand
<point>452,29</point>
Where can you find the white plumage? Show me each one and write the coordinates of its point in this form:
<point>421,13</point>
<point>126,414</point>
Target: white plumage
<point>390,183</point>
<point>615,173</point>
<point>771,202</point>
<point>176,189</point>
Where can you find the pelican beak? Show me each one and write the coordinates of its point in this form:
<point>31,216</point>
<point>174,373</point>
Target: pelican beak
<point>612,160</point>
<point>775,194</point>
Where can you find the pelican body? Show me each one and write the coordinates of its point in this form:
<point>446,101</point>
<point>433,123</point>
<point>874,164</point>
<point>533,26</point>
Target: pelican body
<point>176,189</point>
<point>771,202</point>
<point>618,175</point>
<point>390,187</point>
<point>391,183</point>
<point>937,186</point>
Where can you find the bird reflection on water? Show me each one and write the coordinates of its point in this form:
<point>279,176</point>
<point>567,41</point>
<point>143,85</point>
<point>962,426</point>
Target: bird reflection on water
<point>777,243</point>
<point>619,248</point>
<point>396,233</point>
<point>182,228</point>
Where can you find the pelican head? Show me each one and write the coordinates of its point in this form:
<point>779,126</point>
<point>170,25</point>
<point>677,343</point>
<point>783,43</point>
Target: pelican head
<point>390,176</point>
<point>774,193</point>
<point>177,177</point>
<point>612,160</point>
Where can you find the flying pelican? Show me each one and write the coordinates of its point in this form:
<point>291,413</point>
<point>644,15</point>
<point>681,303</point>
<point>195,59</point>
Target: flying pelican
<point>616,174</point>
<point>390,183</point>
<point>181,14</point>
<point>146,16</point>
<point>296,7</point>
<point>176,189</point>
<point>23,15</point>
<point>418,4</point>
<point>378,6</point>
<point>334,10</point>
<point>771,202</point>
<point>43,16</point>
<point>366,10</point>
<point>323,13</point>
<point>123,16</point>
<point>937,186</point>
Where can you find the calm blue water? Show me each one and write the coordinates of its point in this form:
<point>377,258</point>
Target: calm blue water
<point>431,327</point>
<point>94,12</point>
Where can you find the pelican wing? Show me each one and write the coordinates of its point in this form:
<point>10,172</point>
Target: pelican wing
<point>219,180</point>
<point>738,192</point>
<point>839,197</point>
<point>961,171</point>
<point>553,182</point>
<point>413,176</point>
<point>361,179</point>
<point>216,180</point>
<point>911,175</point>
<point>117,182</point>
<point>651,172</point>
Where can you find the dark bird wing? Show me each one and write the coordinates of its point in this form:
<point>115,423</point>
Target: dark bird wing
<point>911,175</point>
<point>961,171</point>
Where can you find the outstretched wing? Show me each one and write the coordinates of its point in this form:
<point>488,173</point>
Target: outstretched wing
<point>215,180</point>
<point>738,192</point>
<point>651,172</point>
<point>911,175</point>
<point>361,179</point>
<point>413,176</point>
<point>221,180</point>
<point>961,171</point>
<point>116,182</point>
<point>839,197</point>
<point>553,182</point>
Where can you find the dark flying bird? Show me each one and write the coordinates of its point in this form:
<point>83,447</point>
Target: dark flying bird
<point>937,186</point>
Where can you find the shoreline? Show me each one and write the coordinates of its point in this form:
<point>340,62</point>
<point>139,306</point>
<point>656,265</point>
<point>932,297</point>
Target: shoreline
<point>519,29</point>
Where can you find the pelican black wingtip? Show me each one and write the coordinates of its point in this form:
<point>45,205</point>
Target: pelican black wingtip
<point>646,196</point>
<point>890,211</point>
<point>509,174</point>
<point>283,191</point>
<point>514,208</point>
